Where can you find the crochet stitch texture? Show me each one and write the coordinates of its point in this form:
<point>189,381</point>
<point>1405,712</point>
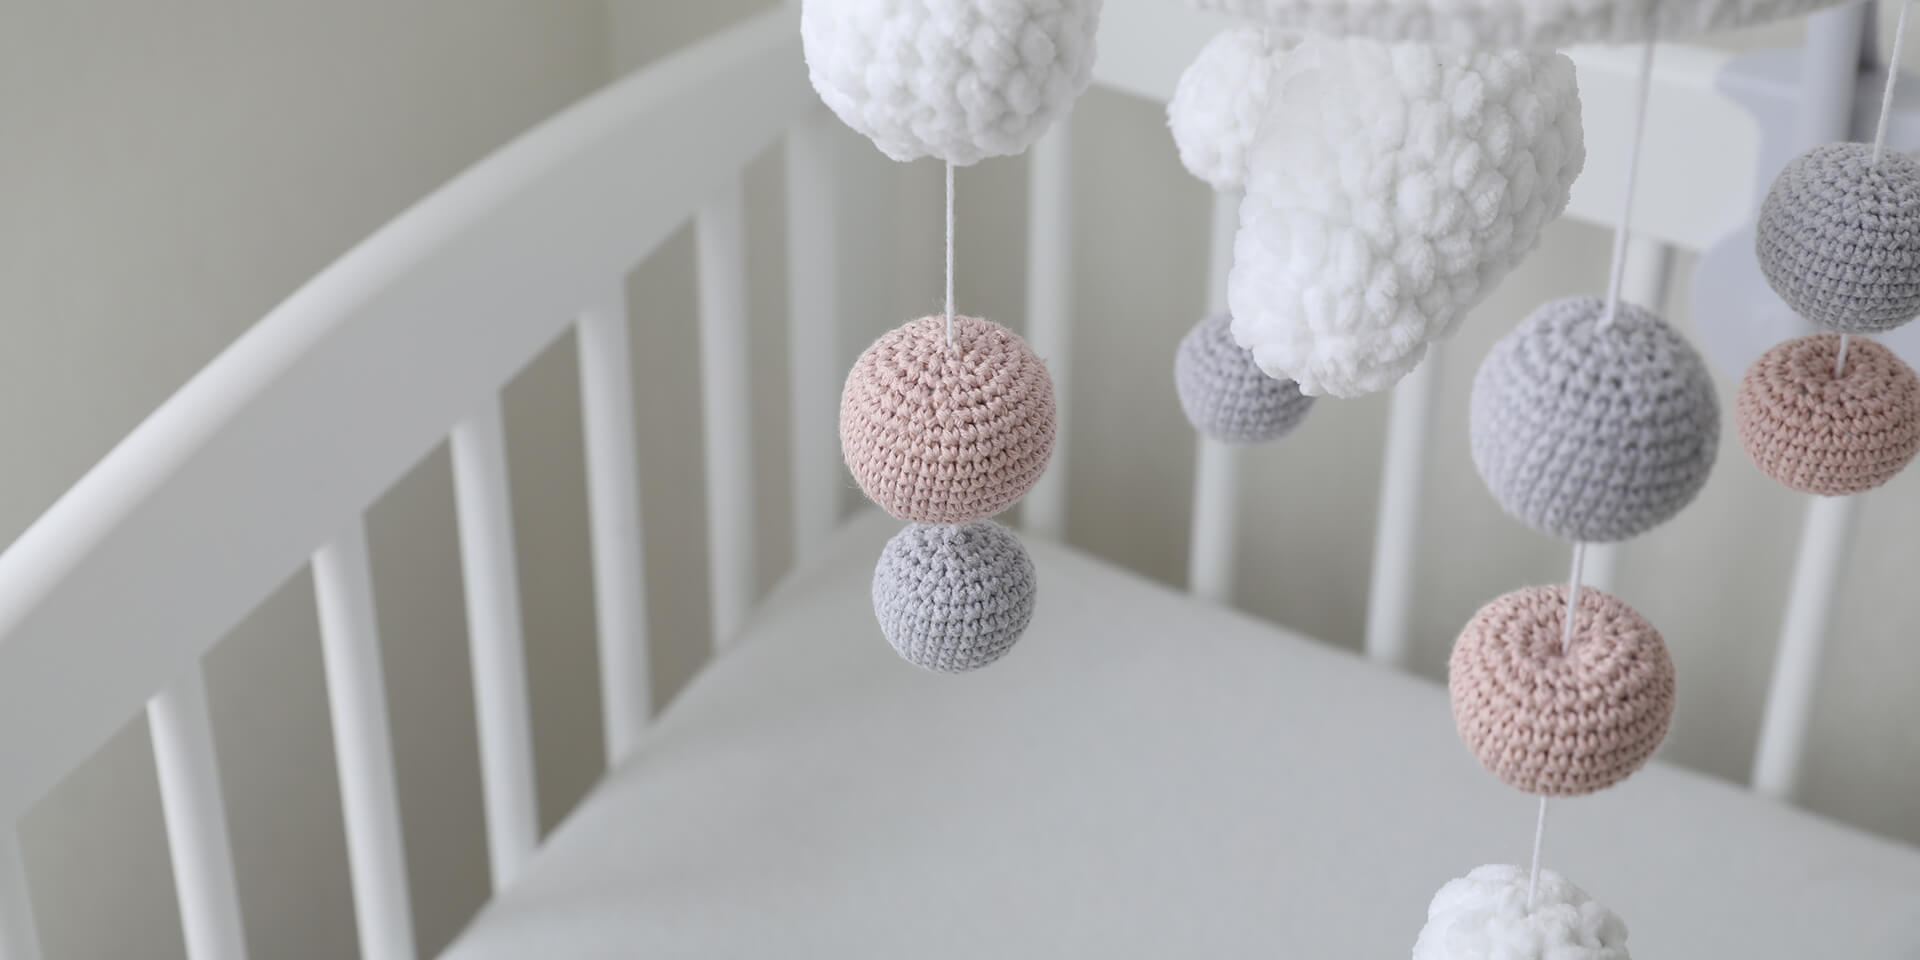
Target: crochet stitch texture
<point>1390,189</point>
<point>961,80</point>
<point>945,434</point>
<point>1225,395</point>
<point>1828,435</point>
<point>1593,434</point>
<point>953,598</point>
<point>1839,237</point>
<point>1510,23</point>
<point>1485,916</point>
<point>1560,724</point>
<point>1217,106</point>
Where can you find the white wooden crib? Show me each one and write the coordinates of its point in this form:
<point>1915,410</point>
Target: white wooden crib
<point>1154,775</point>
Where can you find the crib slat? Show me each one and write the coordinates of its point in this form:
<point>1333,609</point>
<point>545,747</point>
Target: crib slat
<point>1050,310</point>
<point>363,746</point>
<point>1217,467</point>
<point>196,817</point>
<point>613,504</point>
<point>487,557</point>
<point>1824,537</point>
<point>1396,535</point>
<point>1216,497</point>
<point>813,326</point>
<point>19,940</point>
<point>720,235</point>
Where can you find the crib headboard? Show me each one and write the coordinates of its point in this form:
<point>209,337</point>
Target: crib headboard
<point>265,461</point>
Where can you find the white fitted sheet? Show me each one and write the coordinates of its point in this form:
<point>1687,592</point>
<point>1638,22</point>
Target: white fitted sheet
<point>1143,776</point>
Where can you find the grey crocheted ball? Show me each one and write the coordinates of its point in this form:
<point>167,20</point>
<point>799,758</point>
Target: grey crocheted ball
<point>1593,434</point>
<point>953,597</point>
<point>1839,238</point>
<point>1225,393</point>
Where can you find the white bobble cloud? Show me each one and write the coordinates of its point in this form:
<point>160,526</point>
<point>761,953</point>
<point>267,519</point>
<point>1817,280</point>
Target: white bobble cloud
<point>1389,189</point>
<point>960,80</point>
<point>1484,916</point>
<point>1217,106</point>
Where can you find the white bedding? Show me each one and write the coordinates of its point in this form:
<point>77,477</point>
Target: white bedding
<point>1144,776</point>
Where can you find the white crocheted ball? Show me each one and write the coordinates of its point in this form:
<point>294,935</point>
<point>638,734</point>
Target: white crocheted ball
<point>961,80</point>
<point>1216,109</point>
<point>1390,188</point>
<point>1484,916</point>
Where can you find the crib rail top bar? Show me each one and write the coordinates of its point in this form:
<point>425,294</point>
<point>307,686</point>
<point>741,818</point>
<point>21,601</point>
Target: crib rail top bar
<point>1698,178</point>
<point>319,407</point>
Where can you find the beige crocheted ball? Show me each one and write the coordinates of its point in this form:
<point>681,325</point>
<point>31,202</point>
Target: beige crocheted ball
<point>939,433</point>
<point>1553,723</point>
<point>1818,433</point>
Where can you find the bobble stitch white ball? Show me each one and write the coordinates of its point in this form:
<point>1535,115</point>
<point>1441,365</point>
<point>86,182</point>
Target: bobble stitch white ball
<point>1389,190</point>
<point>1484,916</point>
<point>961,80</point>
<point>1216,109</point>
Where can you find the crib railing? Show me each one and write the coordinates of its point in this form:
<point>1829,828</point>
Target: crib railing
<point>107,603</point>
<point>267,460</point>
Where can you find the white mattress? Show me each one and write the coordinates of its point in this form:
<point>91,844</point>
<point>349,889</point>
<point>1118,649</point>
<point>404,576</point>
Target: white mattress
<point>1143,776</point>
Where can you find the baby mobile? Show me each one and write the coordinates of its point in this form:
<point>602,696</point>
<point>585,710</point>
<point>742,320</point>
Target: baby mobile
<point>1397,160</point>
<point>1838,239</point>
<point>1593,421</point>
<point>949,419</point>
<point>1388,188</point>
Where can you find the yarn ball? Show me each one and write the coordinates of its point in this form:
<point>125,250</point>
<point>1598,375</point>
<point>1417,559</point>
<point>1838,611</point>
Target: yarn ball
<point>1389,190</point>
<point>1484,916</point>
<point>1818,433</point>
<point>1216,108</point>
<point>1839,237</point>
<point>1226,395</point>
<point>939,433</point>
<point>1591,433</point>
<point>961,80</point>
<point>1510,23</point>
<point>1553,723</point>
<point>953,598</point>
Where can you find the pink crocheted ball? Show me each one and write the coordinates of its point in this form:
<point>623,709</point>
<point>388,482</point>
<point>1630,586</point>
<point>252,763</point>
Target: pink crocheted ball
<point>1553,723</point>
<point>1831,435</point>
<point>939,433</point>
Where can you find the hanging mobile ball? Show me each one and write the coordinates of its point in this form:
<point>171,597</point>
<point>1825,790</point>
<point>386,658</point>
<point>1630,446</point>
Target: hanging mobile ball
<point>1226,395</point>
<point>1216,108</point>
<point>939,433</point>
<point>961,80</point>
<point>1498,912</point>
<point>953,598</point>
<point>1839,237</point>
<point>1822,433</point>
<point>1560,723</point>
<point>1593,431</point>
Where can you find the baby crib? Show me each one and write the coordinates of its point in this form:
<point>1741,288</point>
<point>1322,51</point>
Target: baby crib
<point>1157,776</point>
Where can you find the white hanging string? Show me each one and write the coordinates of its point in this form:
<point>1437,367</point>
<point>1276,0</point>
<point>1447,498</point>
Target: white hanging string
<point>1880,135</point>
<point>1616,276</point>
<point>949,253</point>
<point>1539,834</point>
<point>1886,92</point>
<point>1566,644</point>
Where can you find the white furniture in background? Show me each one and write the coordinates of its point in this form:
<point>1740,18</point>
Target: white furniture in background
<point>1160,777</point>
